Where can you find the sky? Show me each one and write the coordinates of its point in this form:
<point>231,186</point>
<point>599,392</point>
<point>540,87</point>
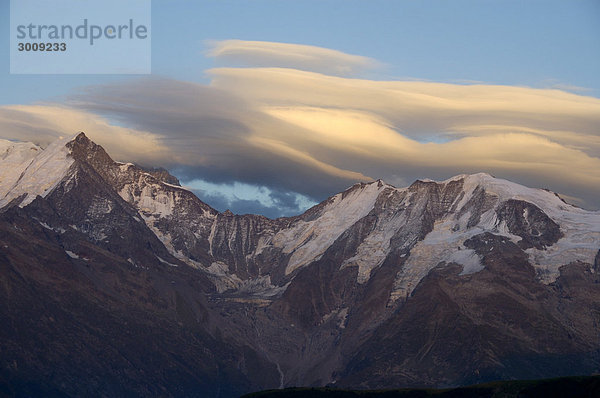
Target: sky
<point>269,107</point>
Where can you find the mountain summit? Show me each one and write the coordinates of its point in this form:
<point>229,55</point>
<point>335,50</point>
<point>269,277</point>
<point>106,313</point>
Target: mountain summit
<point>152,292</point>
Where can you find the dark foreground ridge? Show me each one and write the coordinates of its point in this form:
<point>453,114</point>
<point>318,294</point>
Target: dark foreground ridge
<point>573,387</point>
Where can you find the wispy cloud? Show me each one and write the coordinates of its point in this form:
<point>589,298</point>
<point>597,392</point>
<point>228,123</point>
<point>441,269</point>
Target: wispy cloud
<point>286,55</point>
<point>558,85</point>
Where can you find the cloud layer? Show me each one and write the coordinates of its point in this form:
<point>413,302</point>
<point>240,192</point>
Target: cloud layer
<point>286,55</point>
<point>293,131</point>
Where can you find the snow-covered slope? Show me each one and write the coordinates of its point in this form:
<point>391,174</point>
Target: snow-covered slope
<point>580,228</point>
<point>14,159</point>
<point>16,153</point>
<point>26,169</point>
<point>308,240</point>
<point>580,231</point>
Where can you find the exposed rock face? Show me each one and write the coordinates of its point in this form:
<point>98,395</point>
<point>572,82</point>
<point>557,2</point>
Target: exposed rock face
<point>116,280</point>
<point>530,223</point>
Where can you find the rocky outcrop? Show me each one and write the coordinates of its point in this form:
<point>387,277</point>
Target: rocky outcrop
<point>529,222</point>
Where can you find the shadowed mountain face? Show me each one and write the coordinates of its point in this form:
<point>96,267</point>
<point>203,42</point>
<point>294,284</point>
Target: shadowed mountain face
<point>115,280</point>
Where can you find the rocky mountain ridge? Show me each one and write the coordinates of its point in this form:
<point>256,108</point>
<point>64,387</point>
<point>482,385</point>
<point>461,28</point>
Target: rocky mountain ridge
<point>375,287</point>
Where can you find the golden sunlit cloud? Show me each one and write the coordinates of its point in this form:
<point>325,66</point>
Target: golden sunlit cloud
<point>285,150</point>
<point>538,136</point>
<point>43,124</point>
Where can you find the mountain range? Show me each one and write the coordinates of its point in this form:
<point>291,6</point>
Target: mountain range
<point>117,281</point>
